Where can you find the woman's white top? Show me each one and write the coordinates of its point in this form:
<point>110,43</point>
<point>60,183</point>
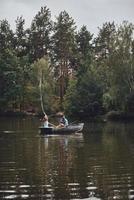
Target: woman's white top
<point>45,124</point>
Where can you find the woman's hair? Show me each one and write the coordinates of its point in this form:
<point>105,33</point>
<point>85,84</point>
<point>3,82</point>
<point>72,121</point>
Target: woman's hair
<point>45,118</point>
<point>60,114</point>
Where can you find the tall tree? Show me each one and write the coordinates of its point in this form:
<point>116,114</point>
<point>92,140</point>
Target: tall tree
<point>121,63</point>
<point>103,49</point>
<point>104,41</point>
<point>6,36</point>
<point>8,63</point>
<point>84,50</point>
<point>63,47</point>
<point>21,38</point>
<point>40,31</point>
<point>84,96</point>
<point>116,68</point>
<point>84,42</point>
<point>22,53</point>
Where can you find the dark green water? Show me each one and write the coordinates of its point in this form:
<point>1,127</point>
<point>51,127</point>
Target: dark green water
<point>95,165</point>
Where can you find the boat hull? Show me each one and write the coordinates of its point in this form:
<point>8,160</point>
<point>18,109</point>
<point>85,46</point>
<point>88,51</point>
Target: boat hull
<point>66,130</point>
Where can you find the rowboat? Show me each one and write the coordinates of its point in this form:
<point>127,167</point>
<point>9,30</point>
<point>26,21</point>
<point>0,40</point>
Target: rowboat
<point>72,128</point>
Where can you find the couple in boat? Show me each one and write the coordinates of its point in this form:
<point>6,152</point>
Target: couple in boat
<point>63,122</point>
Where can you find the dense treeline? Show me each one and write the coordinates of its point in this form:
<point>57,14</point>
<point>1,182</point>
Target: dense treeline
<point>65,67</point>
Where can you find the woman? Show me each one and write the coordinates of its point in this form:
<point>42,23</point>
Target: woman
<point>45,121</point>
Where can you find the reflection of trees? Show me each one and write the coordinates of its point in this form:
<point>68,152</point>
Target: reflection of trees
<point>107,170</point>
<point>42,166</point>
<point>67,167</point>
<point>113,167</point>
<point>57,160</point>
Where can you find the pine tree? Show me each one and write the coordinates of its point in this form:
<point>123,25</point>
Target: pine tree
<point>40,31</point>
<point>63,47</point>
<point>8,65</point>
<point>21,38</point>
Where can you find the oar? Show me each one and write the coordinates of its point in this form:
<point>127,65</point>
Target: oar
<point>52,124</point>
<point>72,123</point>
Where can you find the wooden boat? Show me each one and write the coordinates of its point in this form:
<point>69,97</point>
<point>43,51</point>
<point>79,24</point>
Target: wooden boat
<point>72,128</point>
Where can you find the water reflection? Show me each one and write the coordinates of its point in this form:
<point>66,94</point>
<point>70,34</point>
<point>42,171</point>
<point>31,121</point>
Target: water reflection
<point>57,171</point>
<point>114,167</point>
<point>96,165</point>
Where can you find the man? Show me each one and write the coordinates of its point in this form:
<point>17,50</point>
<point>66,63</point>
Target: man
<point>63,122</point>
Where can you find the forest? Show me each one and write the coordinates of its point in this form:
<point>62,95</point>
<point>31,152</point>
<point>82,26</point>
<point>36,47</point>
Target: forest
<point>66,68</point>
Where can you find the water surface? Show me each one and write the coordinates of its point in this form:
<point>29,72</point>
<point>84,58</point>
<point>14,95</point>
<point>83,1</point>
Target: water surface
<point>96,164</point>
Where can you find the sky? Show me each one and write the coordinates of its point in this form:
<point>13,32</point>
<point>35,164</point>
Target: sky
<point>92,13</point>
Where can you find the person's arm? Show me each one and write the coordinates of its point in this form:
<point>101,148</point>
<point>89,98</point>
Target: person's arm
<point>66,122</point>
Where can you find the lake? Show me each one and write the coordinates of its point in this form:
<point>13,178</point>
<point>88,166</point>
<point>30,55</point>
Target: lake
<point>97,164</point>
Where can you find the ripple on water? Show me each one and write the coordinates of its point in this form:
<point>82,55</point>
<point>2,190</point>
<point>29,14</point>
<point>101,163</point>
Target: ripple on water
<point>11,197</point>
<point>89,198</point>
<point>26,192</point>
<point>131,194</point>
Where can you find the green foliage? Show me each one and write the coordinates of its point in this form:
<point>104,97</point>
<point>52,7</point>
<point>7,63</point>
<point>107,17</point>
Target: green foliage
<point>63,48</point>
<point>116,70</point>
<point>63,38</point>
<point>43,79</point>
<point>8,78</point>
<point>70,99</point>
<point>39,34</point>
<point>6,36</point>
<point>8,66</point>
<point>21,38</point>
<point>84,96</point>
<point>86,73</point>
<point>84,44</point>
<point>104,41</point>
